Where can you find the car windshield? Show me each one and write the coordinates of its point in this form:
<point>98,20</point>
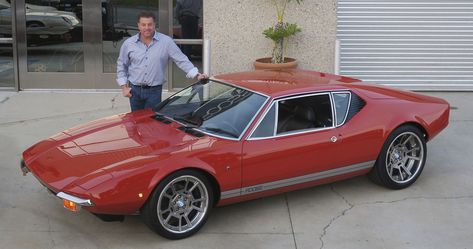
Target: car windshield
<point>213,107</point>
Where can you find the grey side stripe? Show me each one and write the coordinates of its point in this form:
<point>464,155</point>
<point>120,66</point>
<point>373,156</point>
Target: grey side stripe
<point>296,180</point>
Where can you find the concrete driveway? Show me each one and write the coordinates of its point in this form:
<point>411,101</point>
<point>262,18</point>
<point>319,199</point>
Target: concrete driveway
<point>435,212</point>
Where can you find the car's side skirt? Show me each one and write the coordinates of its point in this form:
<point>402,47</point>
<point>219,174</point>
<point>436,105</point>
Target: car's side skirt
<point>296,180</point>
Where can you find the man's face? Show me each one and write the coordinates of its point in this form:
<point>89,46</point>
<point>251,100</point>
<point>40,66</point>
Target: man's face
<point>146,26</point>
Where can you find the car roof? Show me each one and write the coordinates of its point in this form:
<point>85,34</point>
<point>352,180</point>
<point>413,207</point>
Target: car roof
<point>276,83</point>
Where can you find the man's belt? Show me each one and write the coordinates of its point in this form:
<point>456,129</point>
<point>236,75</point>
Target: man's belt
<point>145,86</point>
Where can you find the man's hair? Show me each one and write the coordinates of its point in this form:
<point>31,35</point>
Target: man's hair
<point>147,14</point>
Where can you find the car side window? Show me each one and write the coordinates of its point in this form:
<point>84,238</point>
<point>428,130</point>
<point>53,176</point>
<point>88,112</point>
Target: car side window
<point>304,113</point>
<point>266,126</point>
<point>341,101</point>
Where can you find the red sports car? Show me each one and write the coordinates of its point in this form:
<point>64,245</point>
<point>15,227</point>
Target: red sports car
<point>237,137</point>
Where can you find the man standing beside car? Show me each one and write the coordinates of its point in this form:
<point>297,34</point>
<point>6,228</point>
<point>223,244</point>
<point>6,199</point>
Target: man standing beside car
<point>142,64</point>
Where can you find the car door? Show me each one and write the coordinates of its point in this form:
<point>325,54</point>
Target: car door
<point>295,142</point>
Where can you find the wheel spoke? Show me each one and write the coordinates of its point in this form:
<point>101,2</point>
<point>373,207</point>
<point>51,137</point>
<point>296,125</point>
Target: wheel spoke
<point>390,151</point>
<point>414,158</point>
<point>198,208</point>
<point>406,170</point>
<point>187,220</point>
<point>168,218</point>
<point>167,196</point>
<point>187,184</point>
<point>180,224</point>
<point>390,168</point>
<point>165,210</point>
<point>400,174</point>
<point>194,186</point>
<point>409,165</point>
<point>412,150</point>
<point>409,137</point>
<point>173,188</point>
<point>199,200</point>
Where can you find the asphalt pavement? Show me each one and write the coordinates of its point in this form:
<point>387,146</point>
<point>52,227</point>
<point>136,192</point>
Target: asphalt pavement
<point>435,212</point>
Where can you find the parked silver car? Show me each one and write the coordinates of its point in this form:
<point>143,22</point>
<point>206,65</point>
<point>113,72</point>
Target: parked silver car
<point>41,21</point>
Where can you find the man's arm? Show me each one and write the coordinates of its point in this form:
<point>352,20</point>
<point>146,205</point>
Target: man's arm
<point>184,63</point>
<point>122,70</point>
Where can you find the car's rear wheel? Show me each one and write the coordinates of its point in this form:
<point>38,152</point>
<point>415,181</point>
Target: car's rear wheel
<point>180,205</point>
<point>402,158</point>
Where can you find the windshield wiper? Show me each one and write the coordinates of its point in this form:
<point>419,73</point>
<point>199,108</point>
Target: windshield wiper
<point>218,130</point>
<point>162,118</point>
<point>191,130</point>
<point>193,123</point>
<point>189,126</point>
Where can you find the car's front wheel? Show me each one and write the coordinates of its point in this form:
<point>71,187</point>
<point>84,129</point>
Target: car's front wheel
<point>402,158</point>
<point>180,204</point>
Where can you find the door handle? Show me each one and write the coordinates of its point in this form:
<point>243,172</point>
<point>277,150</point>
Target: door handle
<point>333,139</point>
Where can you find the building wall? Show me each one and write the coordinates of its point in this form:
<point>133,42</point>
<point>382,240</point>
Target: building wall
<point>235,28</point>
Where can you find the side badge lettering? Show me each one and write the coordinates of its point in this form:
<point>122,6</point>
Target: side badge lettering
<point>254,189</point>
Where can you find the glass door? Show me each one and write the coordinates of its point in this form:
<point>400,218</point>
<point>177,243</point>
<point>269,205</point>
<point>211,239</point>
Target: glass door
<point>55,44</point>
<point>74,44</point>
<point>7,69</point>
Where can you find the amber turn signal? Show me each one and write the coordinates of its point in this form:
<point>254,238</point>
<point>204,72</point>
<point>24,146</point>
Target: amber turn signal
<point>71,206</point>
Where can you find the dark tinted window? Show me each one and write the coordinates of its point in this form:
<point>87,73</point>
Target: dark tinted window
<point>303,113</point>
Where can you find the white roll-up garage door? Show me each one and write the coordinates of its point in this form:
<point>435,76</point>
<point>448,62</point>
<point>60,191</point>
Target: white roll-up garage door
<point>413,44</point>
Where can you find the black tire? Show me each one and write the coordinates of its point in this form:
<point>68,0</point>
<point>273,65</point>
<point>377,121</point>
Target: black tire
<point>180,204</point>
<point>402,158</point>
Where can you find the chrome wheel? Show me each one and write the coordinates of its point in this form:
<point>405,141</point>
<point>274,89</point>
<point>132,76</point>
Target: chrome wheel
<point>182,204</point>
<point>405,157</point>
<point>402,158</point>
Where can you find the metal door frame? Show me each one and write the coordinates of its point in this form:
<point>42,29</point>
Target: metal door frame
<point>12,41</point>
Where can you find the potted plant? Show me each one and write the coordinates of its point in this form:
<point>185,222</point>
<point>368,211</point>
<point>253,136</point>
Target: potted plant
<point>279,34</point>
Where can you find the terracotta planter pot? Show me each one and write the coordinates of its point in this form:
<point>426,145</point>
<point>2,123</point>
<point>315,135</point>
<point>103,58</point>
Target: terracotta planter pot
<point>265,63</point>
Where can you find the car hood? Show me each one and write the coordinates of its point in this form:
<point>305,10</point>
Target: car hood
<point>96,149</point>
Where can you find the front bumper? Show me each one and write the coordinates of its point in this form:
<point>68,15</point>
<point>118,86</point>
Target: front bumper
<point>23,168</point>
<point>79,201</point>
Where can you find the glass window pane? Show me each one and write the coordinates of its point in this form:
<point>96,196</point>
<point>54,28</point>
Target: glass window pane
<point>187,21</point>
<point>6,66</point>
<point>304,113</point>
<point>6,51</point>
<point>178,76</point>
<point>119,22</point>
<point>266,127</point>
<point>54,36</point>
<point>341,105</point>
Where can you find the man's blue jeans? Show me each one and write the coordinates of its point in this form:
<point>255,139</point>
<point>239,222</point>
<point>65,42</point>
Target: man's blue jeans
<point>145,97</point>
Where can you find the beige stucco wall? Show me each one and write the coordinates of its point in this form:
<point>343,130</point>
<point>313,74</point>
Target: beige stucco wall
<point>235,27</point>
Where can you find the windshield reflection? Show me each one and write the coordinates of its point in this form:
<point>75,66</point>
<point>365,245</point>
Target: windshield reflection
<point>213,107</point>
